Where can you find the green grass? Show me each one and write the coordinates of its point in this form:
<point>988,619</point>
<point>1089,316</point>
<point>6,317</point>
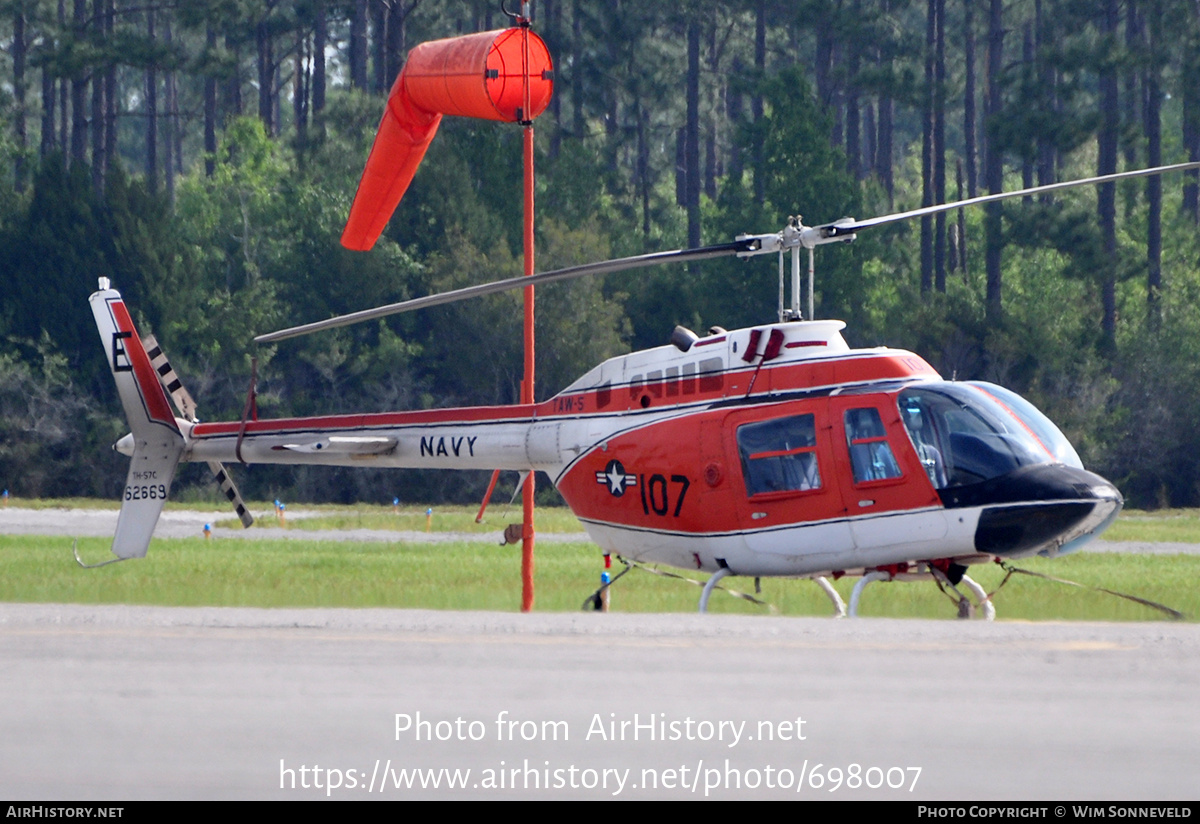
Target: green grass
<point>445,518</point>
<point>1164,525</point>
<point>484,576</point>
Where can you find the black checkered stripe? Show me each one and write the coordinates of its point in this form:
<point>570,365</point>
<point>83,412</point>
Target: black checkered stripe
<point>170,381</point>
<point>231,492</point>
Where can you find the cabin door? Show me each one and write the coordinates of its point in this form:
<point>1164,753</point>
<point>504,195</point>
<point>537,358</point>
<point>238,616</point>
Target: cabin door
<point>789,499</point>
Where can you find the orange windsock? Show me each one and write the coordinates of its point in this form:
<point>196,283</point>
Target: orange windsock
<point>496,75</point>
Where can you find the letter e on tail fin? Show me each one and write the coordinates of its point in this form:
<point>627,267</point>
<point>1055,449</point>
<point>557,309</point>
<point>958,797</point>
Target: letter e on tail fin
<point>158,442</point>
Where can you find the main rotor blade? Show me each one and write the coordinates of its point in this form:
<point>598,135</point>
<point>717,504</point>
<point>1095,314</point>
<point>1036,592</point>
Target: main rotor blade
<point>747,244</point>
<point>620,264</point>
<point>843,228</point>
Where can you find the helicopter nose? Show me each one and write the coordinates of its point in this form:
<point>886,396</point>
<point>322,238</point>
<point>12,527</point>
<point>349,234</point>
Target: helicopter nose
<point>1048,509</point>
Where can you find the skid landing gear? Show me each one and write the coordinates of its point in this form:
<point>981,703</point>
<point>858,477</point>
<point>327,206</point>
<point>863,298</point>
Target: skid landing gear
<point>985,609</point>
<point>839,606</point>
<point>936,571</point>
<point>710,586</point>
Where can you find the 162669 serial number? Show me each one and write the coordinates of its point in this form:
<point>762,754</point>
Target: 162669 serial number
<point>148,492</point>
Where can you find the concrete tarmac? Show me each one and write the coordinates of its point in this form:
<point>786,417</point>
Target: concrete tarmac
<point>123,703</point>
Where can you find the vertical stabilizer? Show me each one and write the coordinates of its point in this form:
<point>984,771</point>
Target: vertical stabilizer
<point>158,442</point>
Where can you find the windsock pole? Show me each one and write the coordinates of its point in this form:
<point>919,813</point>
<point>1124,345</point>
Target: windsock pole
<point>442,77</point>
<point>527,393</point>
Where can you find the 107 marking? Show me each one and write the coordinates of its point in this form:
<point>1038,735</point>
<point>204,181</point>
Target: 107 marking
<point>656,496</point>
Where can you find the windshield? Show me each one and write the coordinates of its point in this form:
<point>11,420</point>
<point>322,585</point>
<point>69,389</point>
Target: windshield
<point>964,436</point>
<point>1042,427</point>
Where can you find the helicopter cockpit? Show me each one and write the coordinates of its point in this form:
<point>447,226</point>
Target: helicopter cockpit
<point>967,433</point>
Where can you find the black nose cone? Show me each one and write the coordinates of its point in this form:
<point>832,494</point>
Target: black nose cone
<point>1048,509</point>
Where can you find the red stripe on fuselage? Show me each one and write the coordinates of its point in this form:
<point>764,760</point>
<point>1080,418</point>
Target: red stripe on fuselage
<point>852,368</point>
<point>469,414</point>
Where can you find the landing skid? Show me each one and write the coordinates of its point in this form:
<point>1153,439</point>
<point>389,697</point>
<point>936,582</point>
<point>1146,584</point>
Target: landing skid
<point>839,606</point>
<point>710,586</point>
<point>983,609</point>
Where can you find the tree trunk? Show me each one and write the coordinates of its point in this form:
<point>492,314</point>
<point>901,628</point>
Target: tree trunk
<point>970,152</point>
<point>883,150</point>
<point>927,148</point>
<point>837,96</point>
<point>994,166</point>
<point>692,151</point>
<point>1107,164</point>
<point>870,135</point>
<point>962,225</point>
<point>711,170</point>
<point>1027,57</point>
<point>210,107</point>
<point>578,127</point>
<point>320,37</point>
<point>151,111</point>
<point>110,91</point>
<point>1048,80</point>
<point>266,77</point>
<point>300,90</point>
<point>939,146</point>
<point>397,14</point>
<point>379,21</point>
<point>681,167</point>
<point>48,103</point>
<point>98,109</point>
<point>358,45</point>
<point>64,85</point>
<point>79,124</point>
<point>1152,86</point>
<point>18,60</point>
<point>643,167</point>
<point>233,85</point>
<point>170,124</point>
<point>1133,118</point>
<point>733,116</point>
<point>1189,82</point>
<point>756,101</point>
<point>854,163</point>
<point>553,30</point>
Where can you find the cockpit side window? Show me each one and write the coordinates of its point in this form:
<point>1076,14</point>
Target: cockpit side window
<point>923,430</point>
<point>779,455</point>
<point>871,457</point>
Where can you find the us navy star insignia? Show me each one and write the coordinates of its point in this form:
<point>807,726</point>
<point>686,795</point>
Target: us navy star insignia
<point>615,478</point>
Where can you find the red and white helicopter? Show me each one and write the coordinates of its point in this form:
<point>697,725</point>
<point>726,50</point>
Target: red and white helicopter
<point>771,451</point>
